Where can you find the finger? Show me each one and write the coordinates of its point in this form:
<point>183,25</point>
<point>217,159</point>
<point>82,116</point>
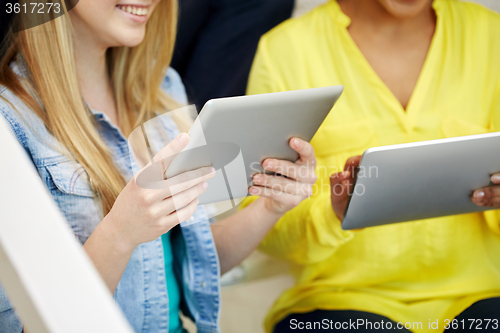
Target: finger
<point>187,180</point>
<point>180,215</point>
<point>495,178</point>
<point>352,165</point>
<point>488,196</point>
<point>339,184</point>
<point>339,187</point>
<point>300,172</point>
<point>281,197</point>
<point>491,204</point>
<point>283,184</point>
<point>168,152</point>
<point>305,150</point>
<point>183,198</point>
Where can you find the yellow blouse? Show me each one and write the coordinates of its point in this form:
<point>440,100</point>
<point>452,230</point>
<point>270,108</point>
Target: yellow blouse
<point>421,271</point>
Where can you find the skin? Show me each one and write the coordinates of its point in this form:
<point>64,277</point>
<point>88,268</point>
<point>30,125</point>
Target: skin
<point>141,215</point>
<point>394,36</point>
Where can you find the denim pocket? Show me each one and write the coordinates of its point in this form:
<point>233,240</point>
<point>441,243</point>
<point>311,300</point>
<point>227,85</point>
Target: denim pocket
<point>69,177</point>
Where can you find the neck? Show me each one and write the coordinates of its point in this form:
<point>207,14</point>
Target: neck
<point>92,72</point>
<point>371,16</point>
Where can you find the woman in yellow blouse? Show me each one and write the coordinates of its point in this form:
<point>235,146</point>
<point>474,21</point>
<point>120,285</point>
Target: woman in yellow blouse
<point>413,70</point>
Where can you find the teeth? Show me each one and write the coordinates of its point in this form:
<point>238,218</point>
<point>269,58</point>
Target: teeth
<point>134,10</point>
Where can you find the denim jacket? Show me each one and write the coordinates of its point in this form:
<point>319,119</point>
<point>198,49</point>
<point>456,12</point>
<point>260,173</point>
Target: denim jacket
<point>141,292</point>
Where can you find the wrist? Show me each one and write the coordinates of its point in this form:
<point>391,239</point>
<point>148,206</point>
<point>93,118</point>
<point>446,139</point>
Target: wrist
<point>268,208</point>
<point>114,236</point>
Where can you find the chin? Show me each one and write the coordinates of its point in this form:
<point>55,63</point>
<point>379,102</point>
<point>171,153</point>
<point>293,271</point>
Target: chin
<point>404,8</point>
<point>130,37</point>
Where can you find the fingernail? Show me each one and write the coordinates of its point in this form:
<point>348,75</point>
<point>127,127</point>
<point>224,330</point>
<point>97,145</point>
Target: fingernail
<point>295,143</point>
<point>213,170</point>
<point>479,194</point>
<point>345,174</point>
<point>269,164</point>
<point>253,191</point>
<point>257,179</point>
<point>183,138</point>
<point>205,185</point>
<point>197,201</point>
<point>495,178</point>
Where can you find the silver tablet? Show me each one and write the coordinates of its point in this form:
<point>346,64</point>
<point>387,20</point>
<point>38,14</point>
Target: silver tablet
<point>421,180</point>
<point>236,134</point>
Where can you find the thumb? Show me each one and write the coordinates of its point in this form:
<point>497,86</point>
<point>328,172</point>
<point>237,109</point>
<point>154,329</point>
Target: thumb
<point>168,152</point>
<point>155,170</point>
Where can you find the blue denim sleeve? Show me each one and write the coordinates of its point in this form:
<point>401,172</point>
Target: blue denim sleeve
<point>13,119</point>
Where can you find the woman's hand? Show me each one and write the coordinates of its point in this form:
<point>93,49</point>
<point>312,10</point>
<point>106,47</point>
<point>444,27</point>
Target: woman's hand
<point>488,196</point>
<point>285,193</point>
<point>239,234</point>
<point>341,186</point>
<point>141,215</point>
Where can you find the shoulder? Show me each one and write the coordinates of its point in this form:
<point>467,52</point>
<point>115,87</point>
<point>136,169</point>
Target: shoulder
<point>307,23</point>
<point>29,129</point>
<point>474,14</point>
<point>301,31</point>
<point>19,116</point>
<point>473,31</point>
<point>14,112</point>
<point>172,85</point>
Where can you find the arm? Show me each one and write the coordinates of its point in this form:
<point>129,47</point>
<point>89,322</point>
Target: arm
<point>309,232</point>
<point>141,214</point>
<point>312,232</point>
<point>238,235</point>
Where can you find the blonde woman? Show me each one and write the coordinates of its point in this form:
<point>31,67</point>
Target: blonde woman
<point>72,90</point>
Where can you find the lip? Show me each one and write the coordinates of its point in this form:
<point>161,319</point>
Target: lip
<point>135,18</point>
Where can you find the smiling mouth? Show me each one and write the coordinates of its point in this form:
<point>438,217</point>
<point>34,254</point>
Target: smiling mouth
<point>134,10</point>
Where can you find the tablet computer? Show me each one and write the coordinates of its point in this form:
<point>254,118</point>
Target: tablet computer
<point>235,135</point>
<point>421,180</point>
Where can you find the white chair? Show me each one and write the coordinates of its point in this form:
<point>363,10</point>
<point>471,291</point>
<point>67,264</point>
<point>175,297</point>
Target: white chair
<point>49,279</point>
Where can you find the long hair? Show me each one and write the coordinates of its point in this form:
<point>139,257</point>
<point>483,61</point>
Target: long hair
<point>51,89</point>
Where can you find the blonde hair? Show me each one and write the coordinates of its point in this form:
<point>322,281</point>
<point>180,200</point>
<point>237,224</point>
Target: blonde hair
<point>136,75</point>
